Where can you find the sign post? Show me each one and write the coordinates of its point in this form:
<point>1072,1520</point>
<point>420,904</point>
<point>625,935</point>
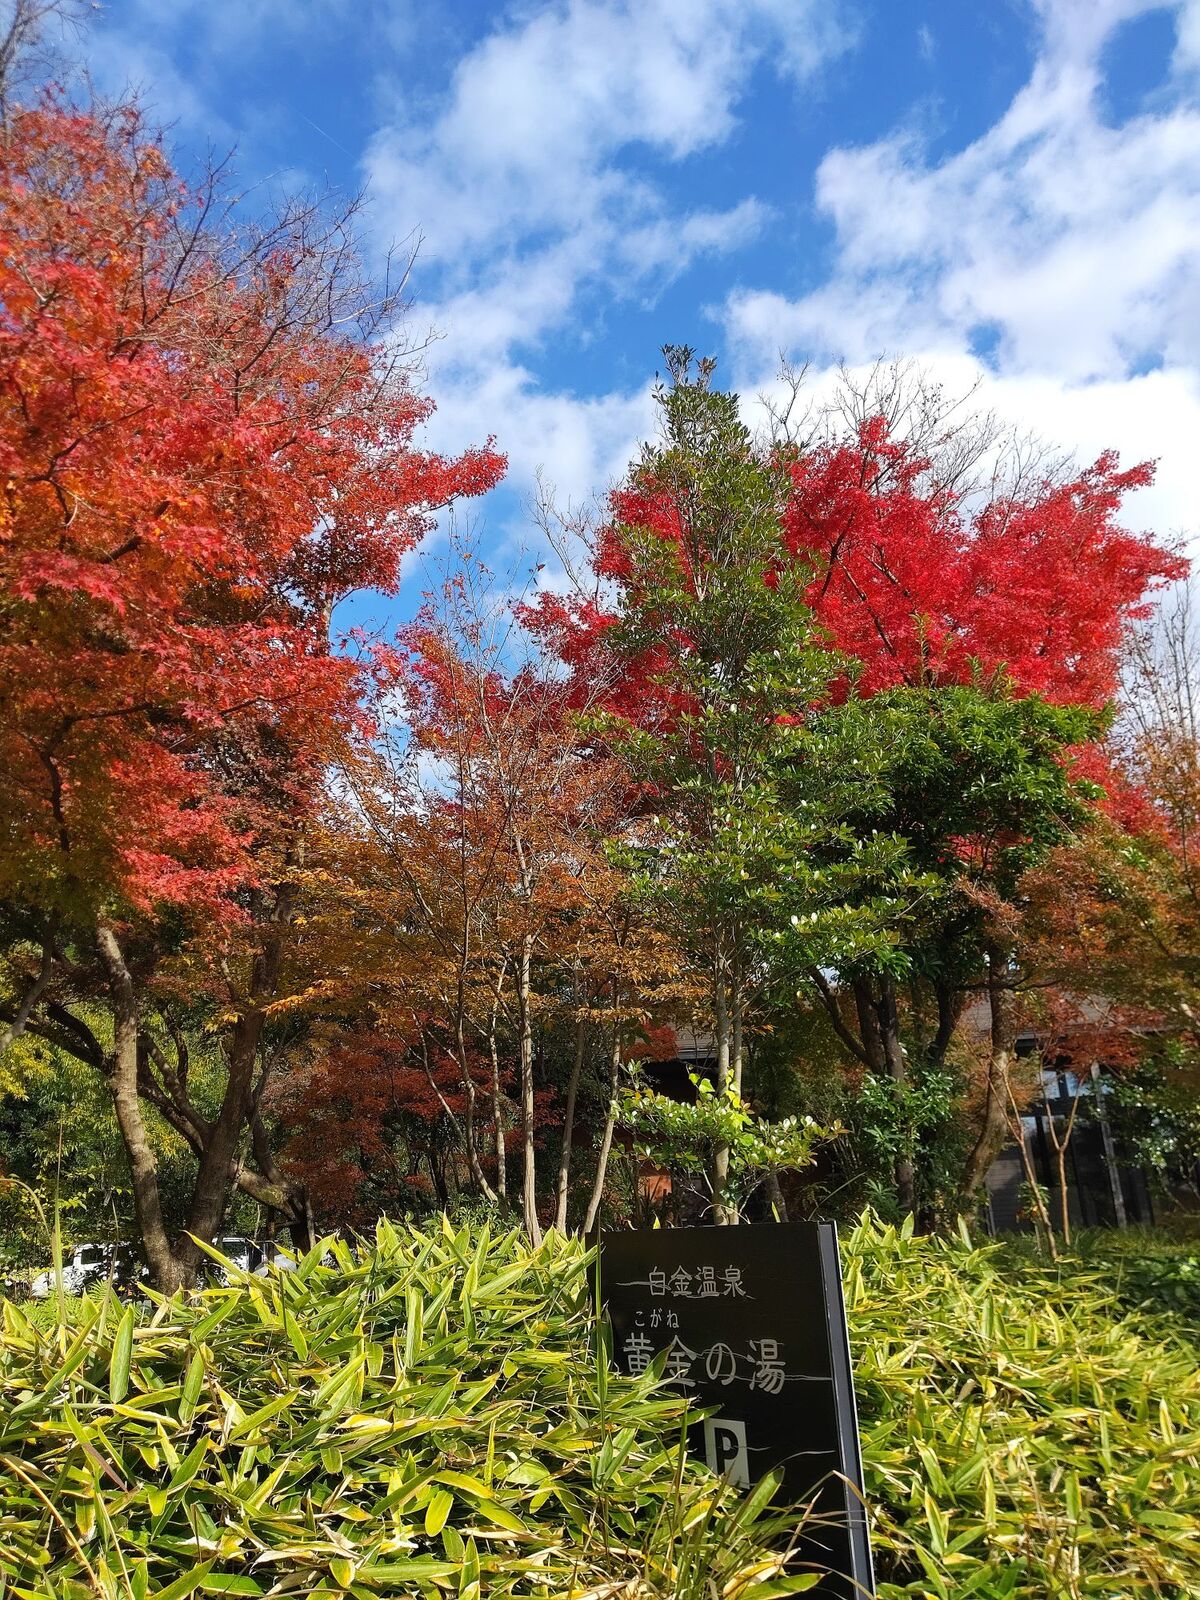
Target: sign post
<point>753,1327</point>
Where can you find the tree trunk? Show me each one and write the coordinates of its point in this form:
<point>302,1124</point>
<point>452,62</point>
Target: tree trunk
<point>214,1179</point>
<point>868,1026</point>
<point>1110,1149</point>
<point>1064,1210</point>
<point>437,1173</point>
<point>1002,1003</point>
<point>478,1176</point>
<point>30,999</point>
<point>1061,1143</point>
<point>219,1159</point>
<point>165,1270</point>
<point>564,1160</point>
<point>720,1176</point>
<point>529,1174</point>
<point>737,1047</point>
<point>303,1226</point>
<point>1017,1129</point>
<point>297,1208</point>
<point>606,1138</point>
<point>897,1070</point>
<point>950,1001</point>
<point>497,1101</point>
<point>736,1026</point>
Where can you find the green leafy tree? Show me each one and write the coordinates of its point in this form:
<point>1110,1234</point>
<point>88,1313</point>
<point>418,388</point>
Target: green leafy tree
<point>736,843</point>
<point>686,1138</point>
<point>974,787</point>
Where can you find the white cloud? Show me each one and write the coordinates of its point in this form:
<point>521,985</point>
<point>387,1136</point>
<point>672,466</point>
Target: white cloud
<point>667,246</point>
<point>1152,416</point>
<point>1187,45</point>
<point>536,179</point>
<point>582,442</point>
<point>545,117</point>
<point>1079,242</point>
<point>121,63</point>
<point>536,176</point>
<point>1056,257</point>
<point>1062,249</point>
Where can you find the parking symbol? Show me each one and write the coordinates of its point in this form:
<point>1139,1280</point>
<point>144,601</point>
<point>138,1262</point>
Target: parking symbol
<point>725,1450</point>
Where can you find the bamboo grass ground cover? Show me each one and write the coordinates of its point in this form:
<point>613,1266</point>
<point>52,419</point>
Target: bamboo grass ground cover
<point>1150,1271</point>
<point>1022,1435</point>
<point>424,1417</point>
<point>427,1417</point>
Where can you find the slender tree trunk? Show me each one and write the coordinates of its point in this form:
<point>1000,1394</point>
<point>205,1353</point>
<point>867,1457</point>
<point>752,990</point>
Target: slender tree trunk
<point>1110,1149</point>
<point>720,1176</point>
<point>564,1160</point>
<point>736,1051</point>
<point>1017,1128</point>
<point>30,999</point>
<point>736,1026</point>
<point>123,1083</point>
<point>497,1100</point>
<point>1061,1143</point>
<point>529,1173</point>
<point>994,1128</point>
<point>775,1196</point>
<point>606,1138</point>
<point>478,1176</point>
<point>464,1132</point>
<point>1064,1211</point>
<point>897,1069</point>
<point>437,1173</point>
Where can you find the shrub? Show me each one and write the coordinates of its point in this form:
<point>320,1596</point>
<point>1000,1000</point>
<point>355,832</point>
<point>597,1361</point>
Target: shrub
<point>424,1418</point>
<point>1150,1271</point>
<point>430,1417</point>
<point>1021,1436</point>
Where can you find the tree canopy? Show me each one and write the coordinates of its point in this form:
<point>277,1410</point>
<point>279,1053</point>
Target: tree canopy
<point>813,758</point>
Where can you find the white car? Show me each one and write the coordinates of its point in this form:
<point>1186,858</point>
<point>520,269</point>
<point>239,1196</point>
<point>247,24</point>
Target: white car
<point>239,1252</point>
<point>90,1264</point>
<point>86,1265</point>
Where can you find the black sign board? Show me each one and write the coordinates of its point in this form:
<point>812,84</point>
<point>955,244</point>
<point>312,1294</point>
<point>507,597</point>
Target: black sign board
<point>754,1328</point>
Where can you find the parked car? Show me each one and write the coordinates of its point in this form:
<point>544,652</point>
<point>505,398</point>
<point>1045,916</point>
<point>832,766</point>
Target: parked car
<point>269,1254</point>
<point>238,1251</point>
<point>87,1265</point>
<point>249,1255</point>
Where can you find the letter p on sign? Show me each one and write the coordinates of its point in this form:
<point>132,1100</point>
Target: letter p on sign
<point>725,1449</point>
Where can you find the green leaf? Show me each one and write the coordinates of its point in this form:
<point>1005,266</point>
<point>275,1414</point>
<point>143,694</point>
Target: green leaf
<point>192,1384</point>
<point>437,1511</point>
<point>184,1585</point>
<point>122,1355</point>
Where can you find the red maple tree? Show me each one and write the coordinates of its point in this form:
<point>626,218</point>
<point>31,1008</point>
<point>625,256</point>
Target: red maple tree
<point>913,582</point>
<point>205,444</point>
<point>198,465</point>
<point>1036,583</point>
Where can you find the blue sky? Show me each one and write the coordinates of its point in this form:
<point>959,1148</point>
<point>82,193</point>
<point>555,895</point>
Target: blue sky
<point>1007,191</point>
